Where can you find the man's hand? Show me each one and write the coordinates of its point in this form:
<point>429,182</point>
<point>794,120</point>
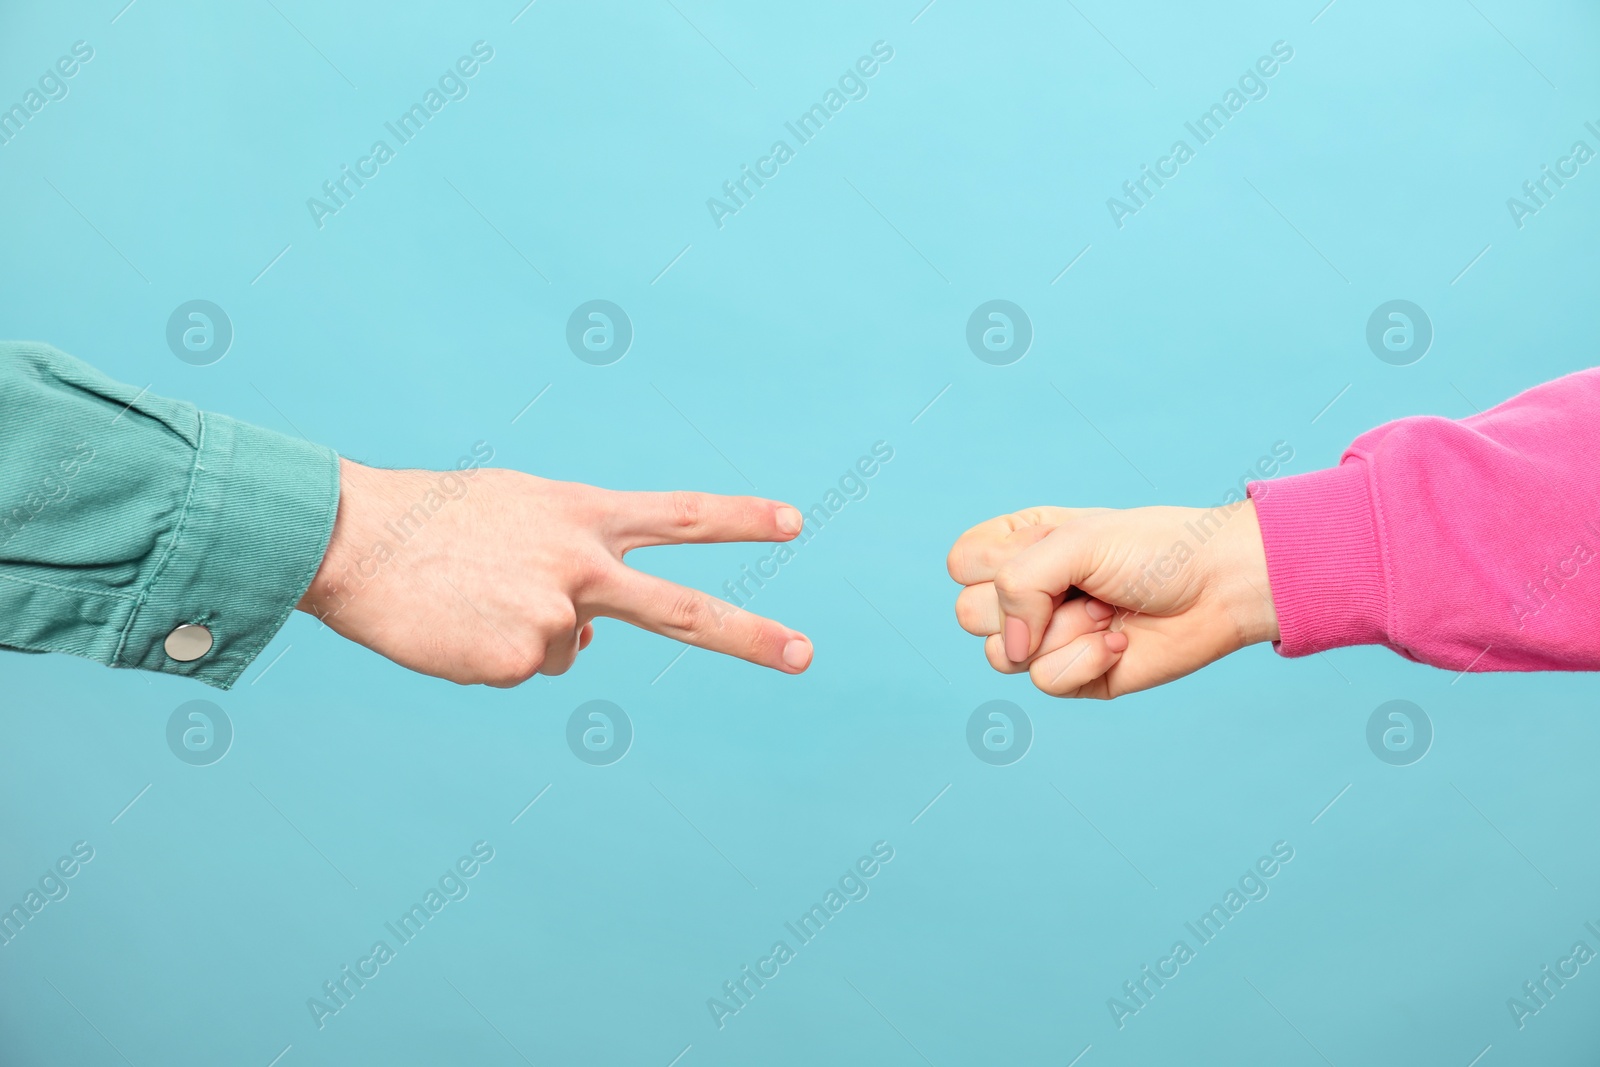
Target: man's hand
<point>1096,603</point>
<point>491,576</point>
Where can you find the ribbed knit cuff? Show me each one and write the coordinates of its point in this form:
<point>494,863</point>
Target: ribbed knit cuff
<point>1324,559</point>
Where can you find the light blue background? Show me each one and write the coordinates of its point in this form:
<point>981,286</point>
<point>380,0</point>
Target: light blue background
<point>823,317</point>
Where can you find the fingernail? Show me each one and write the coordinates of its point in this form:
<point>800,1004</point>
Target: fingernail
<point>1016,639</point>
<point>1098,610</point>
<point>789,520</point>
<point>797,653</point>
<point>1117,642</point>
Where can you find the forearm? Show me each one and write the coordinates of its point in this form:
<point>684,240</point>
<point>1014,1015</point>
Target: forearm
<point>1461,544</point>
<point>125,516</point>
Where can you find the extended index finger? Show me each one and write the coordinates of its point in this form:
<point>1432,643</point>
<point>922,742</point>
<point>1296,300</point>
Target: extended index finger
<point>683,517</point>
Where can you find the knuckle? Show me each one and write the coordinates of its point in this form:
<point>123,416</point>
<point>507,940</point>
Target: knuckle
<point>686,508</point>
<point>994,652</point>
<point>1008,583</point>
<point>508,669</point>
<point>967,561</point>
<point>686,613</point>
<point>559,617</point>
<point>973,617</point>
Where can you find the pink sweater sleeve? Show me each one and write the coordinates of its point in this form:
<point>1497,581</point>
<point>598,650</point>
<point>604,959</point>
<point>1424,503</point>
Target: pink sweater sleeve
<point>1467,545</point>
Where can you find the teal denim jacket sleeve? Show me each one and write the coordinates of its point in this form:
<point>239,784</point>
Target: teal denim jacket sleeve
<point>125,515</point>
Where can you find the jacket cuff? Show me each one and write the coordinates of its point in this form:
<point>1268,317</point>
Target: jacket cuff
<point>1325,559</point>
<point>254,528</point>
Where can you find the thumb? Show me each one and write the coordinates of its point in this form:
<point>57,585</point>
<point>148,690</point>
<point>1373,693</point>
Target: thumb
<point>1029,582</point>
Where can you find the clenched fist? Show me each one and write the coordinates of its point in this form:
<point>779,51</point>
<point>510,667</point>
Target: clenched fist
<point>1094,602</point>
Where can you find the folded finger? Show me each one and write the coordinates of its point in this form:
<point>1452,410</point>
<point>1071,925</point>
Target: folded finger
<point>977,554</point>
<point>560,652</point>
<point>565,642</point>
<point>978,609</point>
<point>1077,663</point>
<point>980,552</point>
<point>1026,583</point>
<point>1070,621</point>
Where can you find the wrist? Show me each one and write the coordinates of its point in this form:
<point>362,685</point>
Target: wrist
<point>322,594</point>
<point>1241,573</point>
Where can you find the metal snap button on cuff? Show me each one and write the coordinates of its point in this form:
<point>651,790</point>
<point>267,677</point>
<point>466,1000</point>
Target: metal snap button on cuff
<point>188,643</point>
